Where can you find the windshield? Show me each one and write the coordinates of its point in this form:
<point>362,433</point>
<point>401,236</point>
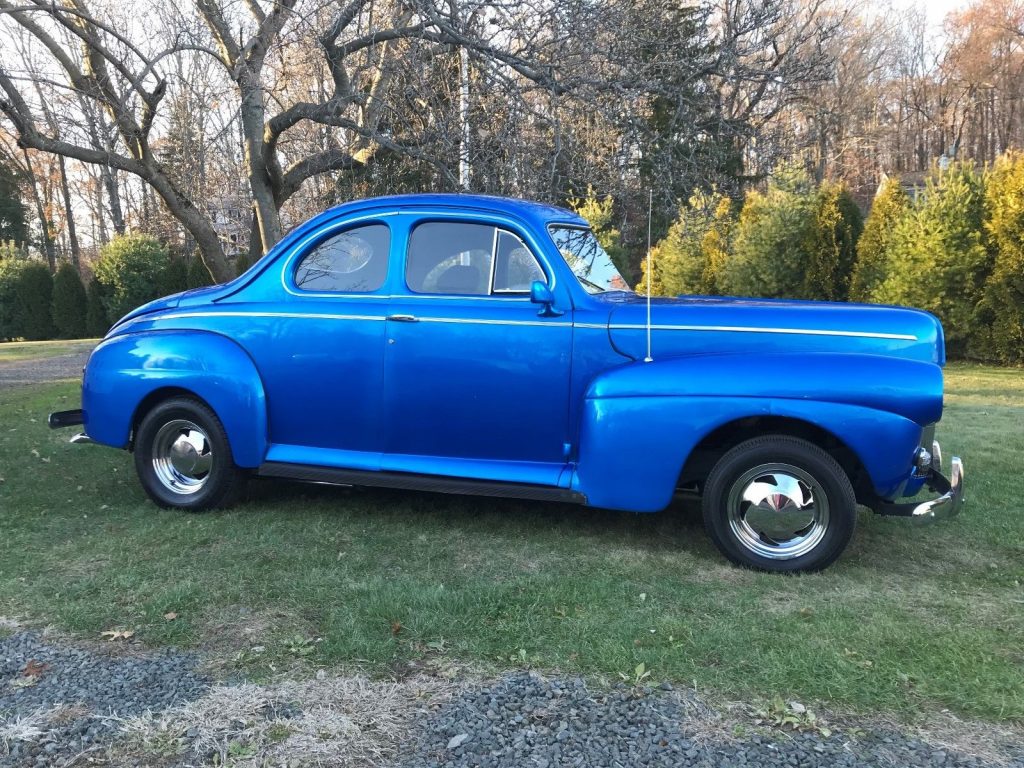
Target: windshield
<point>590,263</point>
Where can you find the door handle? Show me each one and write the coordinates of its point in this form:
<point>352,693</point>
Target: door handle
<point>404,318</point>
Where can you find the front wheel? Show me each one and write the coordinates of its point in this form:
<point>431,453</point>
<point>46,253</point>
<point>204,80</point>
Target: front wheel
<point>183,458</point>
<point>779,503</point>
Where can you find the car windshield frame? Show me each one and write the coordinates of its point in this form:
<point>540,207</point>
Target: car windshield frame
<point>585,257</point>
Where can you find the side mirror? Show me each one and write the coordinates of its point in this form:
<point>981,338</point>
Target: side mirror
<point>541,294</point>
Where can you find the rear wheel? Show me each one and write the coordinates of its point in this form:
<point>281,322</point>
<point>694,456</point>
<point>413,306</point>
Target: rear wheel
<point>779,503</point>
<point>183,458</point>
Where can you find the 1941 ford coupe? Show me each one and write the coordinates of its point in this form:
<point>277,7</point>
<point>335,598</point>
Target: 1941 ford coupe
<point>488,346</point>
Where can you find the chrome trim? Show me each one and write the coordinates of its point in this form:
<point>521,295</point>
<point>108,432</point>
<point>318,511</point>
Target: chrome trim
<point>481,321</point>
<point>948,504</point>
<point>494,260</point>
<point>922,463</point>
<point>182,457</point>
<point>495,220</point>
<point>777,511</point>
<point>320,315</point>
<point>80,439</point>
<point>297,250</point>
<point>317,316</point>
<point>309,315</point>
<point>936,455</point>
<point>752,329</point>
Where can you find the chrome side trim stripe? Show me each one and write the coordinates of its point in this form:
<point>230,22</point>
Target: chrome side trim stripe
<point>314,316</point>
<point>754,329</point>
<point>481,321</point>
<point>556,324</point>
<point>308,315</point>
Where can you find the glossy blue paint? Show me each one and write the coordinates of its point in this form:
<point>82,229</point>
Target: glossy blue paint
<point>495,388</point>
<point>125,369</point>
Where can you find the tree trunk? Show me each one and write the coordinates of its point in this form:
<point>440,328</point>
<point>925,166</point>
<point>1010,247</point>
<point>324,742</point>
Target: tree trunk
<point>69,215</point>
<point>44,225</point>
<point>268,217</point>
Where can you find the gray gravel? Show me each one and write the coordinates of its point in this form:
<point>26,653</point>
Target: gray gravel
<point>92,684</point>
<point>528,722</point>
<point>44,369</point>
<point>520,721</point>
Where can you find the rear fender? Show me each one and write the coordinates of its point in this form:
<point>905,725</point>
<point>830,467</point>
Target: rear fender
<point>124,370</point>
<point>641,421</point>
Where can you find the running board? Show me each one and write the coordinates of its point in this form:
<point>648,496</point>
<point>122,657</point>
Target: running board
<point>414,482</point>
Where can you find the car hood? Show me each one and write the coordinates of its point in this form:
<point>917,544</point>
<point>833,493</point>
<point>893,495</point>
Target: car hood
<point>722,325</point>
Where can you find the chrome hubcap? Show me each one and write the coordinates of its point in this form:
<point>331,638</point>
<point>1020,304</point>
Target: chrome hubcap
<point>182,458</point>
<point>778,511</point>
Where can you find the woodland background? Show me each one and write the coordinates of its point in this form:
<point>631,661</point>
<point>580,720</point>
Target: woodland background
<point>809,148</point>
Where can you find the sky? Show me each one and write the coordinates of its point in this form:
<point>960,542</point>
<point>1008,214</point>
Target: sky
<point>936,9</point>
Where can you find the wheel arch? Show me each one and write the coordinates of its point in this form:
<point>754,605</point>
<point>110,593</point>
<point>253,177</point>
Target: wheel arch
<point>717,442</point>
<point>127,375</point>
<point>153,399</point>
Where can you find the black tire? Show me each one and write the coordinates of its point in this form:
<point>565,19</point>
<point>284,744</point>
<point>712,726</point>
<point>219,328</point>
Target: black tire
<point>165,426</point>
<point>765,467</point>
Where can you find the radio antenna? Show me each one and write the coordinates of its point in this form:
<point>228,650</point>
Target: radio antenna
<point>650,210</point>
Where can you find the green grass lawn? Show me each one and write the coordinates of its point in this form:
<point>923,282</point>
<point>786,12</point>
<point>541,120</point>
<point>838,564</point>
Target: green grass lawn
<point>13,351</point>
<point>910,620</point>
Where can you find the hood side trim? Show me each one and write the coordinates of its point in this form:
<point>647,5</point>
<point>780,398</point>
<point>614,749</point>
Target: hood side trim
<point>752,329</point>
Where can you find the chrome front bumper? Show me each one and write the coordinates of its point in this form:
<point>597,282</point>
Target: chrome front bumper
<point>947,505</point>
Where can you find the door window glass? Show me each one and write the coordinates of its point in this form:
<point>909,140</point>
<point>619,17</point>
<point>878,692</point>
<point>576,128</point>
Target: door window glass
<point>515,268</point>
<point>450,257</point>
<point>353,261</point>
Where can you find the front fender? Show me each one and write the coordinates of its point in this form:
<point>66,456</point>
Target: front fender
<point>641,421</point>
<point>124,370</point>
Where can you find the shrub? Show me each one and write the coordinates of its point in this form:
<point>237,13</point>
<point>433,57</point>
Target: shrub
<point>129,270</point>
<point>198,275</point>
<point>11,267</point>
<point>795,240</point>
<point>96,322</point>
<point>69,303</point>
<point>1001,314</point>
<point>832,237</point>
<point>690,258</point>
<point>938,259</point>
<point>769,257</point>
<point>32,298</point>
<point>173,278</point>
<point>887,210</point>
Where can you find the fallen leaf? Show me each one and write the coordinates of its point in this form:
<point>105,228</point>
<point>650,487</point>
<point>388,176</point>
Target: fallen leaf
<point>796,706</point>
<point>806,612</point>
<point>34,669</point>
<point>396,627</point>
<point>117,634</point>
<point>24,682</point>
<point>170,615</point>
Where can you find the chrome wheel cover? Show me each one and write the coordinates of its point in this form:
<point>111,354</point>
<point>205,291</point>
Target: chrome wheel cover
<point>777,511</point>
<point>182,457</point>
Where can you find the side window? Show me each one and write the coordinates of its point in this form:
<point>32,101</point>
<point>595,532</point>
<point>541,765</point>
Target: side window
<point>353,261</point>
<point>450,257</point>
<point>515,268</point>
<point>468,260</point>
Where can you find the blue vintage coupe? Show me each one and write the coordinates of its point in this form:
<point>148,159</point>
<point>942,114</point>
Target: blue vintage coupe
<point>488,346</point>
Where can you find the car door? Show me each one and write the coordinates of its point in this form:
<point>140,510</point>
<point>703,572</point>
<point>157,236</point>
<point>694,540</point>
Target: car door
<point>321,355</point>
<point>476,379</point>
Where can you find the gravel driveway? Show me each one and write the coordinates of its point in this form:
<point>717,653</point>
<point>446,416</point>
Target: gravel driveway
<point>67,705</point>
<point>43,370</point>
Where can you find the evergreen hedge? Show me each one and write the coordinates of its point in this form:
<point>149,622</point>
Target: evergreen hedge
<point>68,308</point>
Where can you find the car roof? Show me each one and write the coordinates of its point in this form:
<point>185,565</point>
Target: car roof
<point>523,209</point>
